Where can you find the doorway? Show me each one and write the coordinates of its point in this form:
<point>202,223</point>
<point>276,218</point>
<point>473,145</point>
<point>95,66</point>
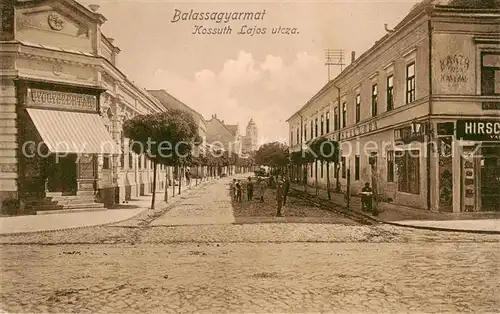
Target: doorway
<point>490,178</point>
<point>68,174</point>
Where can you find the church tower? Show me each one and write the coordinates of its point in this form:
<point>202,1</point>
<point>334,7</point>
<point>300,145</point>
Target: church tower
<point>251,141</point>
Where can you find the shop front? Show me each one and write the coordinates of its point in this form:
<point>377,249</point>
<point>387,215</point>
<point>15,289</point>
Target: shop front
<point>61,135</point>
<point>479,164</point>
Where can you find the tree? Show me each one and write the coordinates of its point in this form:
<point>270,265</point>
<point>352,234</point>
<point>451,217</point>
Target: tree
<point>164,138</point>
<point>274,155</point>
<point>326,151</point>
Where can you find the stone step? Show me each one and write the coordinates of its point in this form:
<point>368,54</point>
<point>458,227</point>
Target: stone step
<point>71,210</point>
<point>73,198</point>
<point>83,206</point>
<point>75,201</point>
<point>43,207</point>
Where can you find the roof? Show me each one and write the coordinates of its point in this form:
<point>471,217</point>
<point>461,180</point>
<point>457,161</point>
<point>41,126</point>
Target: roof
<point>233,128</point>
<point>170,102</point>
<point>415,11</point>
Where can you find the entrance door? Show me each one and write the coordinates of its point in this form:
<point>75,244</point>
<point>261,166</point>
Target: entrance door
<point>490,179</point>
<point>68,174</point>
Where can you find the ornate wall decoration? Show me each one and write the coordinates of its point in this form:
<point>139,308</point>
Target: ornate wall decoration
<point>57,69</point>
<point>55,21</point>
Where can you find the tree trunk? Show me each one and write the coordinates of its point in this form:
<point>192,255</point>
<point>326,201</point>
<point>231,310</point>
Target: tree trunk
<point>316,176</point>
<point>155,165</point>
<point>304,178</point>
<point>337,173</point>
<point>165,196</point>
<point>180,179</point>
<point>328,180</point>
<point>173,181</point>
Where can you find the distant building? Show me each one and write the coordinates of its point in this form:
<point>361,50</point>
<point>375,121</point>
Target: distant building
<point>226,136</point>
<point>251,138</point>
<point>170,102</point>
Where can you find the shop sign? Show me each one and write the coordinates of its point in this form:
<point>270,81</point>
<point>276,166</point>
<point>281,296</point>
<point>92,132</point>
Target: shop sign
<point>478,130</point>
<point>491,105</point>
<point>61,100</point>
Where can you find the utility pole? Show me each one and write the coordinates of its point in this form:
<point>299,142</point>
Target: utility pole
<point>334,57</point>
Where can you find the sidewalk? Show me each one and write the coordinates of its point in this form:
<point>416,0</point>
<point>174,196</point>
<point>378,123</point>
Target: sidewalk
<point>485,222</point>
<point>79,219</point>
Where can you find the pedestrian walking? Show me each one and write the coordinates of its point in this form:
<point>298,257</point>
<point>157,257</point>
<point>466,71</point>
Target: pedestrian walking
<point>238,191</point>
<point>262,188</point>
<point>249,189</point>
<point>188,177</point>
<point>286,186</point>
<point>280,189</point>
<point>366,197</point>
<point>232,189</point>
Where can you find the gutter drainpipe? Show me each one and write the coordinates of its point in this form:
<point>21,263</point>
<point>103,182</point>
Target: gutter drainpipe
<point>337,165</point>
<point>430,130</point>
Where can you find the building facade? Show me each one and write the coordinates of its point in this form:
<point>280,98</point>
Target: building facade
<point>62,107</point>
<point>223,136</point>
<point>250,141</point>
<point>418,114</point>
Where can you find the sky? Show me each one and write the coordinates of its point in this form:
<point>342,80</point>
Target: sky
<point>266,77</point>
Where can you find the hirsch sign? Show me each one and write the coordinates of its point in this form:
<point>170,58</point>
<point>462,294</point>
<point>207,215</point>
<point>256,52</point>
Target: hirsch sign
<point>482,130</point>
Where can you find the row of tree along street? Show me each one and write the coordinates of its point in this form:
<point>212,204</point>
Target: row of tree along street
<point>177,128</point>
<point>278,157</point>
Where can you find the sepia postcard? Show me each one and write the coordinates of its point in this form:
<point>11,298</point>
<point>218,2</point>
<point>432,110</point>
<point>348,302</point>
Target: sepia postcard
<point>261,156</point>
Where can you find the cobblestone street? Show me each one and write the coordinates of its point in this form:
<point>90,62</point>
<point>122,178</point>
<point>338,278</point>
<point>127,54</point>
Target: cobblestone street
<point>171,260</point>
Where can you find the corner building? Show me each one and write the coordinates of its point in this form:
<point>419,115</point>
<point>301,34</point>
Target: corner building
<point>418,114</point>
<point>61,83</point>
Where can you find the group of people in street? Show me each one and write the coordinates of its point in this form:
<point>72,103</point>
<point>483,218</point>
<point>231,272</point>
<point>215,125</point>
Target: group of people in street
<point>236,189</point>
<point>282,189</point>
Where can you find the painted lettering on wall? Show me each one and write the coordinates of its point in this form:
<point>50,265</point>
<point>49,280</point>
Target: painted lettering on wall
<point>454,68</point>
<point>62,100</point>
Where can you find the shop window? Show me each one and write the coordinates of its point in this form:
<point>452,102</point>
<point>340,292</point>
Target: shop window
<point>410,83</point>
<point>356,168</point>
<point>408,169</point>
<point>490,74</point>
<point>358,108</point>
<point>344,169</point>
<point>344,115</point>
<point>139,162</point>
<point>390,93</point>
<point>374,99</point>
<point>106,162</point>
<point>321,165</point>
<point>298,136</point>
<point>328,122</point>
<point>390,166</point>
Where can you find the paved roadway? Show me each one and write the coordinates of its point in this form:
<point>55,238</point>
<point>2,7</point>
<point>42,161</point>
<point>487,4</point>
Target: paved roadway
<point>157,262</point>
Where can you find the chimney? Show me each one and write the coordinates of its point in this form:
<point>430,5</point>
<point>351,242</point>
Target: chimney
<point>353,56</point>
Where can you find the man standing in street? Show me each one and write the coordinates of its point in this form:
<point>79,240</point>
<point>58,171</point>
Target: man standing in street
<point>262,187</point>
<point>188,177</point>
<point>249,189</point>
<point>286,188</point>
<point>279,196</point>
